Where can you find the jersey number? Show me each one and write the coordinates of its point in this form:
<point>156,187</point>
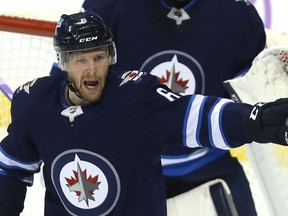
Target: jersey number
<point>167,94</point>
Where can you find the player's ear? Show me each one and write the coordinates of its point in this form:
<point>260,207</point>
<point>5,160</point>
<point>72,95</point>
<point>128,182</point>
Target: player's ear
<point>64,67</point>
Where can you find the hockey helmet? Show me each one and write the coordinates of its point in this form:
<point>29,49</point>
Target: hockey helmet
<point>81,32</point>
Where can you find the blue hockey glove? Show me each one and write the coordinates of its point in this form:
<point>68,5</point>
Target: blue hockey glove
<point>267,122</point>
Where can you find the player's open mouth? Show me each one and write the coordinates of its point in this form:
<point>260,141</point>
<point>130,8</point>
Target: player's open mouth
<point>91,84</point>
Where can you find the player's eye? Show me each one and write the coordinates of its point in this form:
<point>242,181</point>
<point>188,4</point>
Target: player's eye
<point>80,60</point>
<point>101,59</point>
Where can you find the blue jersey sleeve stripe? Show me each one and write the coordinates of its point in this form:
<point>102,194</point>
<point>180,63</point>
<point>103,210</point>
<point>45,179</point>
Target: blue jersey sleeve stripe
<point>217,138</point>
<point>9,162</point>
<point>221,128</point>
<point>179,168</point>
<point>2,172</point>
<point>191,123</point>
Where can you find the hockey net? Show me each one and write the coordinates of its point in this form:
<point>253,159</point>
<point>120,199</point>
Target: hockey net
<point>26,52</point>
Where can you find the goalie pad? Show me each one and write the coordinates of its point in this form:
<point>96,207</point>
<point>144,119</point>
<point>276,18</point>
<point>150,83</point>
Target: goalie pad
<point>210,199</point>
<point>265,81</point>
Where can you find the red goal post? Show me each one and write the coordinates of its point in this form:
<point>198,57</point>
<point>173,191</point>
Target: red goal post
<point>27,26</point>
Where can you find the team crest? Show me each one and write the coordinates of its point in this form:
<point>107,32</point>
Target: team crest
<point>86,182</point>
<point>179,71</point>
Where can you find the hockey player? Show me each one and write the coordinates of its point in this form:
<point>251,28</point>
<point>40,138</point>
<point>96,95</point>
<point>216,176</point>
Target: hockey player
<point>100,133</point>
<point>192,46</point>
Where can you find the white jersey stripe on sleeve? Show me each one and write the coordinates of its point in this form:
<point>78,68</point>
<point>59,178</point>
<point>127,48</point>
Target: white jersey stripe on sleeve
<point>217,137</point>
<point>191,123</point>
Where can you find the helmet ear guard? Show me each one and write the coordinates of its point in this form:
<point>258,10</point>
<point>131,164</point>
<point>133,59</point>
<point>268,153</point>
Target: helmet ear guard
<point>82,31</point>
<point>62,58</point>
<point>112,53</point>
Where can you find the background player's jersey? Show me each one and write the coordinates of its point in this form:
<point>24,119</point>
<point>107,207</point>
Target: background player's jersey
<point>186,57</point>
<point>149,40</point>
<point>105,157</point>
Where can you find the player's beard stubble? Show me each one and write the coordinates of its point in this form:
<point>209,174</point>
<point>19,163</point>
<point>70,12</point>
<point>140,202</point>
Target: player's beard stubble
<point>86,90</point>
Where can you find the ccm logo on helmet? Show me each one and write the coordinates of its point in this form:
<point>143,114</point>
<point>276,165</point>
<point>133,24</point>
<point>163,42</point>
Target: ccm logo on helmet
<point>88,39</point>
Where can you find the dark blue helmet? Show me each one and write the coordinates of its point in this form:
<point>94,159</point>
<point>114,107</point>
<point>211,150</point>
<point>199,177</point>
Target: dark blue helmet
<point>80,32</point>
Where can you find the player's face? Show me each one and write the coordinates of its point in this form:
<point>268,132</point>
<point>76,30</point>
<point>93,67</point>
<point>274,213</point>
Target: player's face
<point>87,71</point>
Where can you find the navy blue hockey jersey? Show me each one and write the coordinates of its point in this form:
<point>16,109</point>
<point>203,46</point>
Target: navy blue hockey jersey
<point>217,42</point>
<point>104,158</point>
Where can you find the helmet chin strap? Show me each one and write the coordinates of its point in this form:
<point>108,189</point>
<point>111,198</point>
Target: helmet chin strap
<point>70,85</point>
<point>72,88</point>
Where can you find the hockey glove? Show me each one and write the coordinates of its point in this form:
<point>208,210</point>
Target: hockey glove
<point>267,122</point>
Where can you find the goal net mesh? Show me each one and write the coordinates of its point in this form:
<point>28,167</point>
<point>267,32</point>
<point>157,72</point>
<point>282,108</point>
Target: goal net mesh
<point>23,57</point>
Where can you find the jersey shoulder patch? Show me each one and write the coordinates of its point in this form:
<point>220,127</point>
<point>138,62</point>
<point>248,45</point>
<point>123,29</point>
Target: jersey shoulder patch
<point>26,87</point>
<point>132,76</point>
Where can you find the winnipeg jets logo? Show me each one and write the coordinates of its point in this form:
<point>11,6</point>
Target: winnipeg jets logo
<point>72,112</point>
<point>131,76</point>
<point>26,87</point>
<point>86,182</point>
<point>173,81</point>
<point>179,71</point>
<point>82,185</point>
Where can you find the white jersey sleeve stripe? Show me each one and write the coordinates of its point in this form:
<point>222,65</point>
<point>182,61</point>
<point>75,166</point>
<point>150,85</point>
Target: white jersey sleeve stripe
<point>191,124</point>
<point>12,163</point>
<point>184,158</point>
<point>217,137</point>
